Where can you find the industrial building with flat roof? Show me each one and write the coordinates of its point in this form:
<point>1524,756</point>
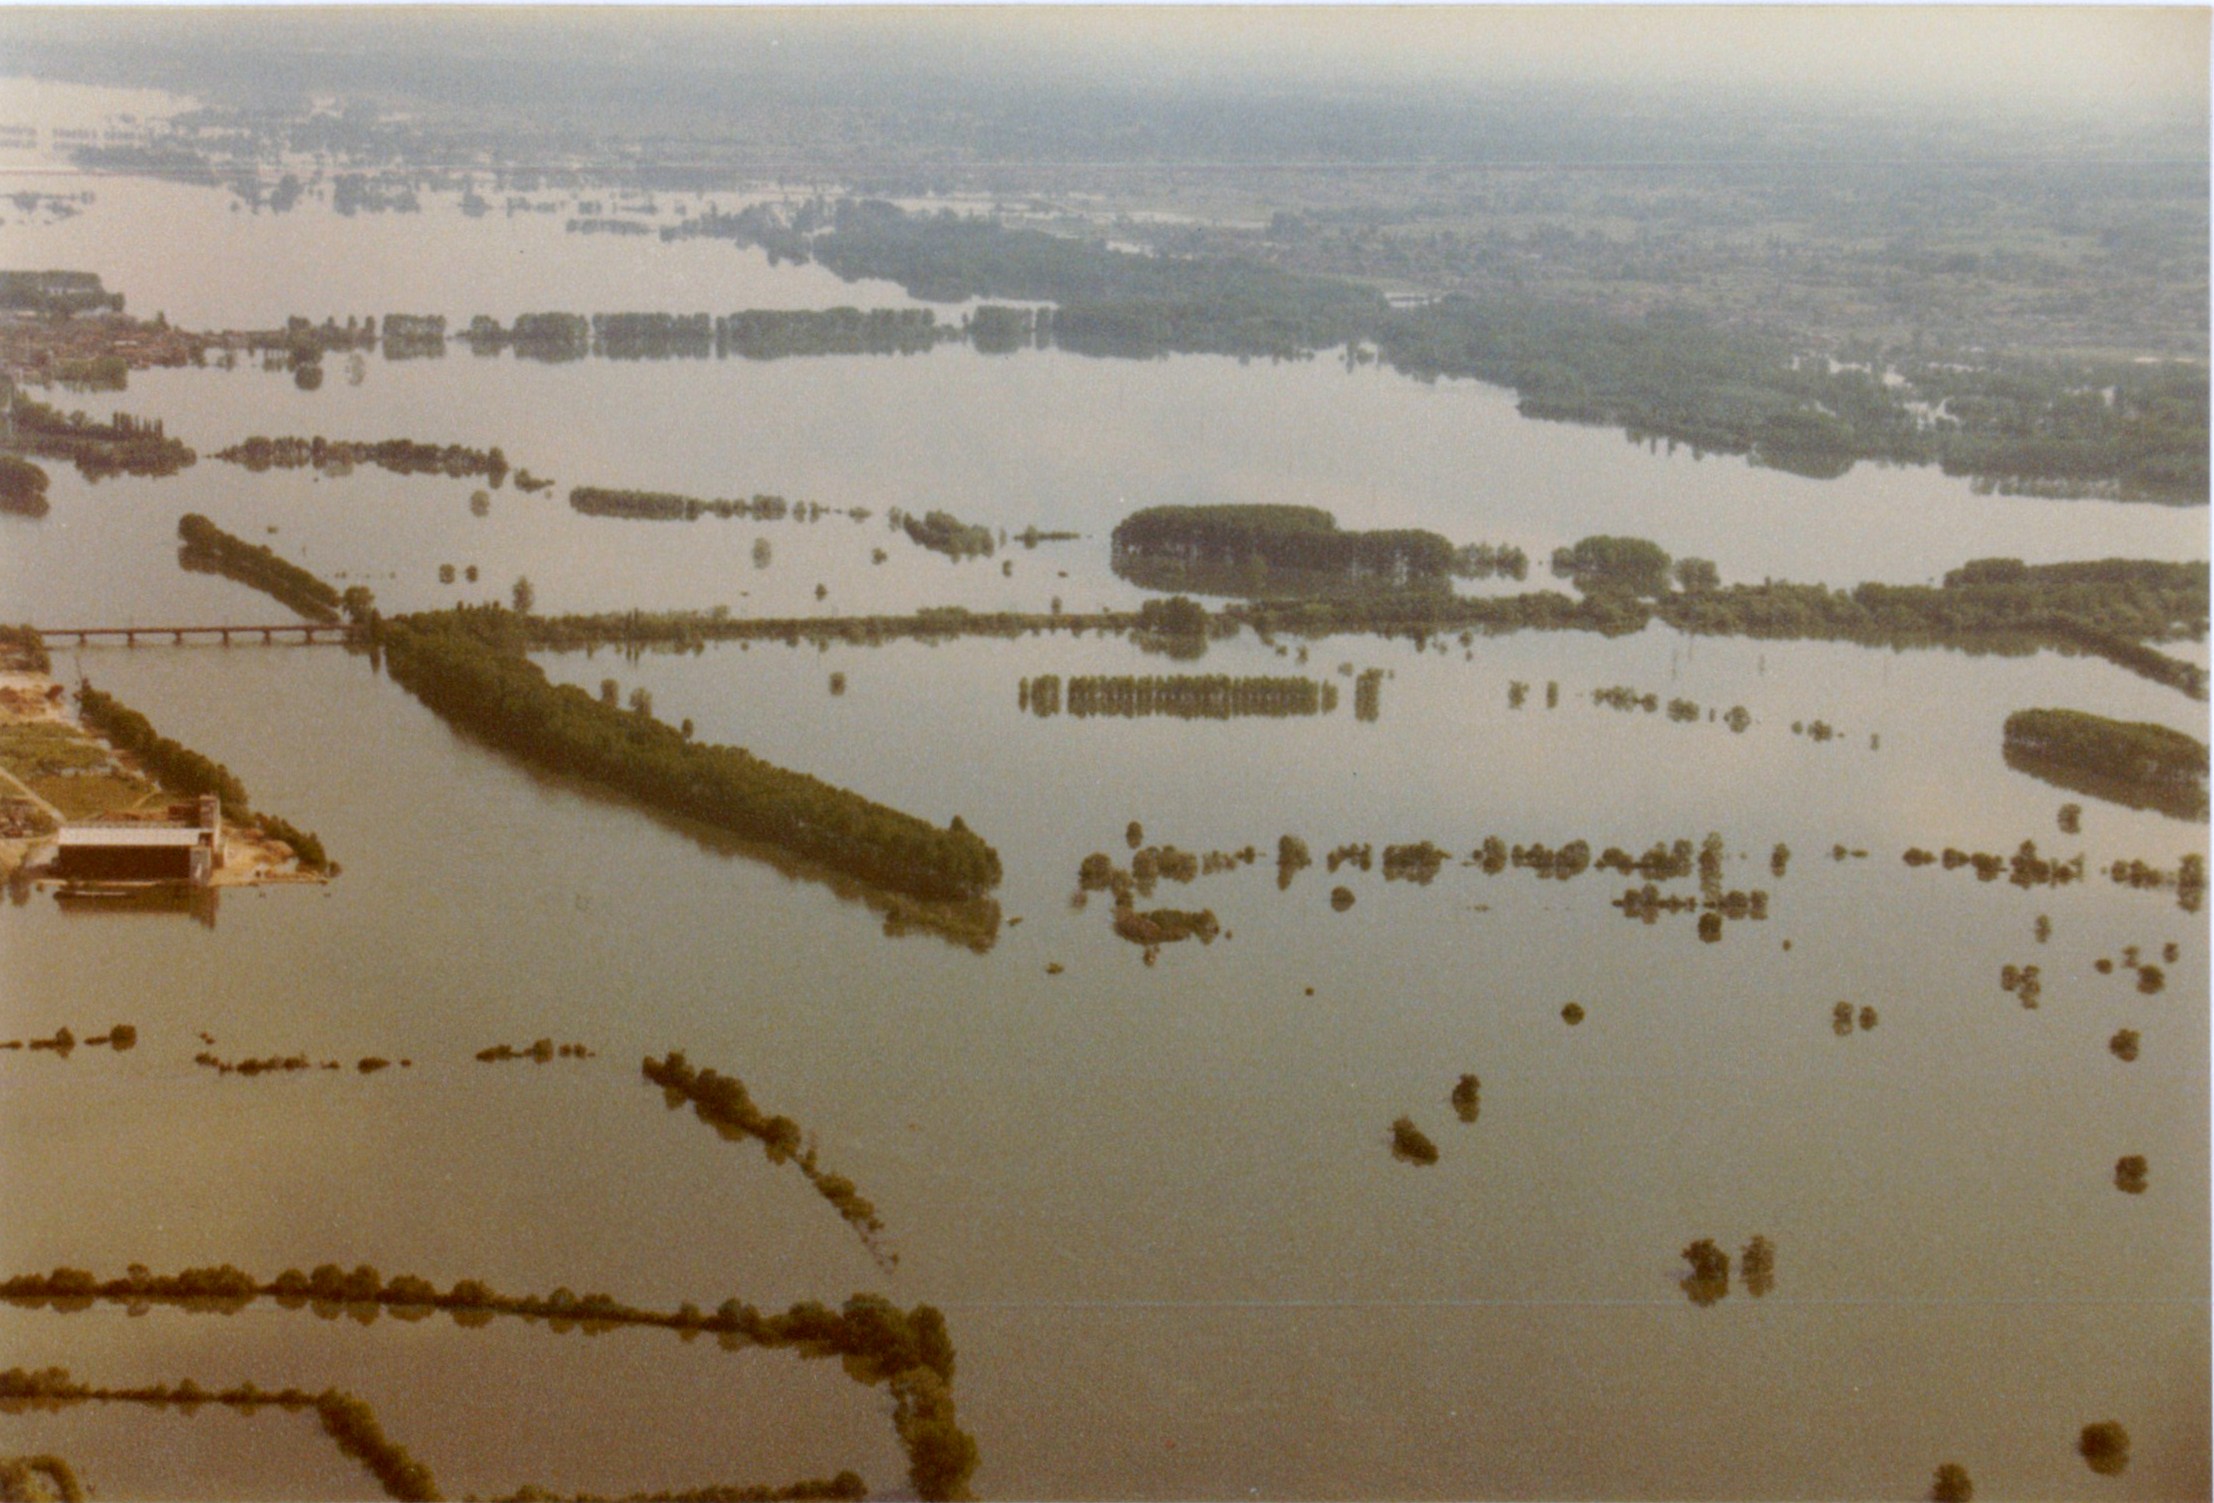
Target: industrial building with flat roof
<point>144,851</point>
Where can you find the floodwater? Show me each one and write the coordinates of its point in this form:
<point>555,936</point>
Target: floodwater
<point>1157,1203</point>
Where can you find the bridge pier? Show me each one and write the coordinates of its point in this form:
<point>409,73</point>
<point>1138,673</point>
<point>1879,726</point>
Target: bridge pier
<point>268,635</point>
<point>130,639</point>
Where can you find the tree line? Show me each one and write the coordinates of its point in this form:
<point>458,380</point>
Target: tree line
<point>1184,696</point>
<point>2068,427</point>
<point>208,548</point>
<point>468,666</point>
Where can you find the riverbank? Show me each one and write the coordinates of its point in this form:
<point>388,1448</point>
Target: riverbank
<point>55,771</point>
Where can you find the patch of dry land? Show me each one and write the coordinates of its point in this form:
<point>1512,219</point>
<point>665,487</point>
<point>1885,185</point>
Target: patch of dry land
<point>54,771</point>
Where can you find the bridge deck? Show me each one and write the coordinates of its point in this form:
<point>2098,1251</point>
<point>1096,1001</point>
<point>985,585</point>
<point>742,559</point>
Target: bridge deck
<point>292,633</point>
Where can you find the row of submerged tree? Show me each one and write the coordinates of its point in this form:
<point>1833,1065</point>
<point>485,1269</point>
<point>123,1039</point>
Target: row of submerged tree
<point>722,1102</point>
<point>120,1038</point>
<point>2069,608</point>
<point>673,506</point>
<point>207,548</point>
<point>750,334</point>
<point>350,1423</point>
<point>910,1351</point>
<point>399,456</point>
<point>1132,696</point>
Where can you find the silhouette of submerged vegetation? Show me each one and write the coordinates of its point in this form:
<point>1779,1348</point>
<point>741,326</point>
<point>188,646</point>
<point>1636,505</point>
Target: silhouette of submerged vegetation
<point>721,1101</point>
<point>910,1351</point>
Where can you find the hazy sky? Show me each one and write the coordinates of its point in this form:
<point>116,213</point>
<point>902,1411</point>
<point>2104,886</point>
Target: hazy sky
<point>2083,53</point>
<point>2124,60</point>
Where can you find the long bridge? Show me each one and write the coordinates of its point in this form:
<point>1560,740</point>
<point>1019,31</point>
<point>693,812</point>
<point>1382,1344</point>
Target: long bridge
<point>290,633</point>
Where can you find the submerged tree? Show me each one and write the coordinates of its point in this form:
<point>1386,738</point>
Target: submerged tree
<point>1709,1278</point>
<point>1952,1485</point>
<point>1410,1145</point>
<point>2129,1174</point>
<point>2105,1448</point>
<point>1758,1261</point>
<point>1465,1094</point>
